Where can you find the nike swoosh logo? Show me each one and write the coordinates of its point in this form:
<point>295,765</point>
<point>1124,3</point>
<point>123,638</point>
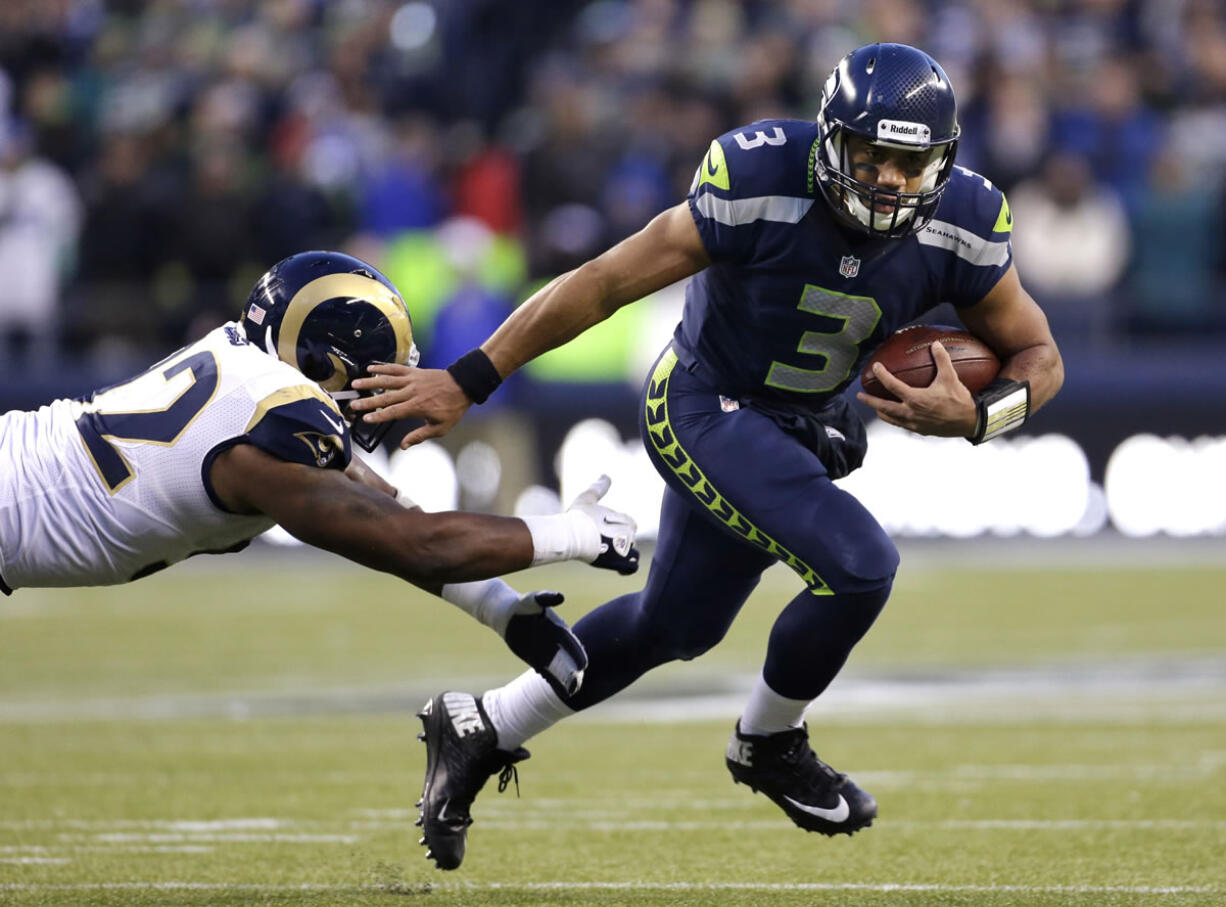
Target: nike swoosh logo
<point>338,425</point>
<point>711,171</point>
<point>442,813</point>
<point>837,814</point>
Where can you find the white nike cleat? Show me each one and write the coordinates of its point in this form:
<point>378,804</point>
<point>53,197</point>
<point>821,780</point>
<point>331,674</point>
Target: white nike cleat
<point>814,796</point>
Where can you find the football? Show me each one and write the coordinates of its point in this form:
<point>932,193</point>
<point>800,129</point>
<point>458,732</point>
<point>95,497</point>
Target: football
<point>907,355</point>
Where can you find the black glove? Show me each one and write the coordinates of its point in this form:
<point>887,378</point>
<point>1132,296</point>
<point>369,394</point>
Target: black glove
<point>542,639</point>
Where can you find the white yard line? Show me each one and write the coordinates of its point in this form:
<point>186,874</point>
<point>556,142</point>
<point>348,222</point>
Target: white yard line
<point>211,838</point>
<point>638,886</point>
<point>562,813</point>
<point>1055,825</point>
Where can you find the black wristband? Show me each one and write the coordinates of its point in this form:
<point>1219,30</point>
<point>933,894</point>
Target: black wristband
<point>476,375</point>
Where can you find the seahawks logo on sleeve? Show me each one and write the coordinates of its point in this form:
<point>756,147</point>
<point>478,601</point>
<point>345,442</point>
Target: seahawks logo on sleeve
<point>301,424</point>
<point>974,228</point>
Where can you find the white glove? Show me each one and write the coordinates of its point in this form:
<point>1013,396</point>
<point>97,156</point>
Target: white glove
<point>587,531</point>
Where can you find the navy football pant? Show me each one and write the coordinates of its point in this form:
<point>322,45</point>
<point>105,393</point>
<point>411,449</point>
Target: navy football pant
<point>742,493</point>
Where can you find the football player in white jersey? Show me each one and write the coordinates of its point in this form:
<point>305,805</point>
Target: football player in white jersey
<point>250,426</point>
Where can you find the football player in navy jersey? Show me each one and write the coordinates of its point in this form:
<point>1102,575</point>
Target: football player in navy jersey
<point>808,242</point>
<point>249,427</point>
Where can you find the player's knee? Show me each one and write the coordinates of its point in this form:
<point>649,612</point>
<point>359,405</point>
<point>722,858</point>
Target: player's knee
<point>870,563</point>
<point>684,642</point>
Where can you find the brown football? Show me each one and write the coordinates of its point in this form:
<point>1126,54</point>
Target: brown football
<point>907,356</point>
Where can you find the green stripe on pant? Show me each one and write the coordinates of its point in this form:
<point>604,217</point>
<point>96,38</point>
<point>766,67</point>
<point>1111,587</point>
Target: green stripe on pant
<point>669,449</point>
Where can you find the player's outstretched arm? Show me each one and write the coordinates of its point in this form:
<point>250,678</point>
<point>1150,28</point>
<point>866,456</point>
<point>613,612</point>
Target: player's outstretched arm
<point>663,252</point>
<point>454,555</point>
<point>326,508</point>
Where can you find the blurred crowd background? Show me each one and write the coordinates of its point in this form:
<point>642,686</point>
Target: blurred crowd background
<point>156,156</point>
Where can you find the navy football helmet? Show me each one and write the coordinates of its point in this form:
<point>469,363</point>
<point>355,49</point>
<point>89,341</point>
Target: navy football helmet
<point>330,316</point>
<point>896,97</point>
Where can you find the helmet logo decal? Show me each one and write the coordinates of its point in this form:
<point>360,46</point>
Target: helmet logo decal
<point>332,286</point>
<point>255,313</point>
<point>340,376</point>
<point>902,131</point>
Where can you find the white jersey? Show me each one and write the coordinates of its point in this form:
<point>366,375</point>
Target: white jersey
<point>106,490</point>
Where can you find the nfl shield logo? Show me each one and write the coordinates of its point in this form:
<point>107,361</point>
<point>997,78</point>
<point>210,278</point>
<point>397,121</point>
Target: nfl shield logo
<point>849,266</point>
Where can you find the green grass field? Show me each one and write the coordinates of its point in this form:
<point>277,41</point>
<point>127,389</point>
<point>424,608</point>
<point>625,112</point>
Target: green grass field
<point>240,731</point>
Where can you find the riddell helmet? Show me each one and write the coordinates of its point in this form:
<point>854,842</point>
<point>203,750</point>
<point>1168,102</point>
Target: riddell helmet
<point>897,97</point>
<point>330,316</point>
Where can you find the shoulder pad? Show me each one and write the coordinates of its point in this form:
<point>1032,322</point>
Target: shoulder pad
<point>973,222</point>
<point>973,203</point>
<point>301,424</point>
<point>769,157</point>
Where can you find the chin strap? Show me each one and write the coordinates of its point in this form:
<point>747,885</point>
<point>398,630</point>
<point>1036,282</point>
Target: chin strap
<point>1002,406</point>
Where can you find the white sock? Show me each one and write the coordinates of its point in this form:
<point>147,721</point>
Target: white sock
<point>769,713</point>
<point>523,708</point>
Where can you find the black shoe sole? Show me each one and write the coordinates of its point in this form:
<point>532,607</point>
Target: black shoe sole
<point>435,850</point>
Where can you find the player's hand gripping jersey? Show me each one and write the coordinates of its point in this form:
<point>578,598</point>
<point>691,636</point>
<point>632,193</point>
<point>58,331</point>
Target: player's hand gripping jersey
<point>109,489</point>
<point>793,303</point>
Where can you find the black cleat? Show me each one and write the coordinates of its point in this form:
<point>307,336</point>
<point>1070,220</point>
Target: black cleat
<point>815,796</point>
<point>461,754</point>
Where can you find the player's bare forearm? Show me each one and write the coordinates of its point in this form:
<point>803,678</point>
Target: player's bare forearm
<point>426,549</point>
<point>668,249</point>
<point>327,509</point>
<point>663,252</point>
<point>359,472</point>
<point>1012,323</point>
<point>1042,366</point>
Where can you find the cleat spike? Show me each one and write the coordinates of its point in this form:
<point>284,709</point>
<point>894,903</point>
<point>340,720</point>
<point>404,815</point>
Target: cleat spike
<point>418,804</point>
<point>421,738</point>
<point>419,821</point>
<point>421,842</point>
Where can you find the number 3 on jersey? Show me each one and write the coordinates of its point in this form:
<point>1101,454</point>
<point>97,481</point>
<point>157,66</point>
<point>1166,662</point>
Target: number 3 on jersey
<point>153,408</point>
<point>859,316</point>
<point>760,138</point>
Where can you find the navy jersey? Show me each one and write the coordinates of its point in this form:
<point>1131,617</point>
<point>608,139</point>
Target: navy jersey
<point>793,303</point>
